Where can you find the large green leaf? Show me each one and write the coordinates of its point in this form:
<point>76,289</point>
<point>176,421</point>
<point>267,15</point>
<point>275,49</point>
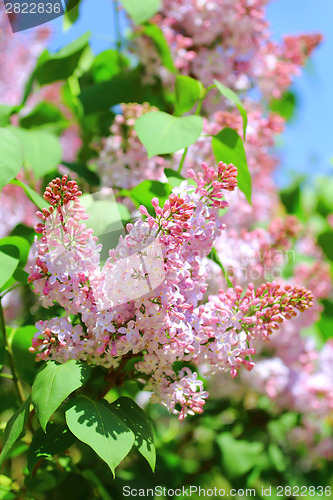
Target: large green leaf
<point>230,94</point>
<point>162,133</point>
<point>57,439</point>
<point>228,147</point>
<point>14,428</point>
<point>47,116</point>
<point>32,195</point>
<point>135,418</point>
<point>96,425</point>
<point>24,360</point>
<point>54,383</point>
<point>62,64</point>
<point>188,91</point>
<point>140,12</point>
<point>17,248</point>
<point>162,47</point>
<point>238,456</point>
<point>42,150</point>
<point>11,156</point>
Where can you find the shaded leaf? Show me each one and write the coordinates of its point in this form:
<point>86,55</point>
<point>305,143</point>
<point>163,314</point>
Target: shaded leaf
<point>57,439</point>
<point>135,418</point>
<point>24,360</point>
<point>96,425</point>
<point>161,45</point>
<point>14,428</point>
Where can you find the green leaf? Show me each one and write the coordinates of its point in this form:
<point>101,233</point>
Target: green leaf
<point>11,156</point>
<point>140,12</point>
<point>126,87</point>
<point>230,94</point>
<point>161,45</point>
<point>188,91</point>
<point>24,360</point>
<point>325,240</point>
<point>47,116</point>
<point>32,195</point>
<point>228,147</point>
<point>285,106</point>
<point>8,265</point>
<point>71,13</point>
<point>107,65</point>
<point>21,244</point>
<point>14,428</point>
<point>215,258</point>
<point>135,418</point>
<point>143,193</point>
<point>96,425</point>
<point>239,457</point>
<point>64,63</point>
<point>42,150</point>
<point>54,383</point>
<point>57,439</point>
<point>5,113</point>
<point>162,133</point>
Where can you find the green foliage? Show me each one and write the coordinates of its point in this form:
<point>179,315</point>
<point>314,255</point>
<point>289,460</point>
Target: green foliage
<point>52,67</point>
<point>24,360</point>
<point>228,147</point>
<point>32,195</point>
<point>285,106</point>
<point>143,193</point>
<point>135,418</point>
<point>11,156</point>
<point>14,429</point>
<point>97,425</point>
<point>161,45</point>
<point>42,150</point>
<point>57,439</point>
<point>8,264</point>
<point>46,116</point>
<point>140,12</point>
<point>71,13</point>
<point>108,64</point>
<point>325,240</point>
<point>162,133</point>
<point>231,96</point>
<point>188,91</point>
<point>239,456</point>
<point>15,247</point>
<point>53,384</point>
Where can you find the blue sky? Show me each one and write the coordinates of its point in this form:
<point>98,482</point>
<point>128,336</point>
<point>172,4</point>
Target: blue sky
<point>307,145</point>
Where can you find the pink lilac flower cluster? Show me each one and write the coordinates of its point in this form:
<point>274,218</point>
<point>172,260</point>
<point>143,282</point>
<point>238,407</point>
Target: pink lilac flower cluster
<point>237,50</point>
<point>146,301</point>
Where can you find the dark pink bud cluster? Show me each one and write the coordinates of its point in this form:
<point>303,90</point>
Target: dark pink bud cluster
<point>61,191</point>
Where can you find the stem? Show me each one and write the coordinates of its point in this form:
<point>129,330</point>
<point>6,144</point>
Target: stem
<point>119,43</point>
<point>182,160</point>
<point>16,382</point>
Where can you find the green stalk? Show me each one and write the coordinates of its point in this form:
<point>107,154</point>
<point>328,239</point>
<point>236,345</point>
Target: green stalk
<point>16,382</point>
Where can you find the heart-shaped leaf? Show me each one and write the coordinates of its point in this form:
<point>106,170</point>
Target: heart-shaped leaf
<point>162,133</point>
<point>54,383</point>
<point>96,425</point>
